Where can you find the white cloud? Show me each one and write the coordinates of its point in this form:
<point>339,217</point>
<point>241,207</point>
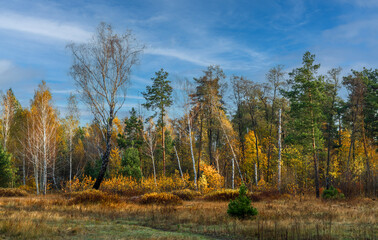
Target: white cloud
<point>361,31</point>
<point>229,56</point>
<point>362,3</point>
<point>43,27</point>
<point>63,91</point>
<point>10,73</point>
<point>179,54</point>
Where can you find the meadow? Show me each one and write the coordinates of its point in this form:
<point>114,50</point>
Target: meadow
<point>65,216</point>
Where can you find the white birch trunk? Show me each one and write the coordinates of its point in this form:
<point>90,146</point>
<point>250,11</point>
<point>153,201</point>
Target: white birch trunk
<point>191,152</point>
<point>179,165</point>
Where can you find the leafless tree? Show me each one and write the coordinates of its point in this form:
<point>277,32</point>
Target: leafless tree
<point>101,69</point>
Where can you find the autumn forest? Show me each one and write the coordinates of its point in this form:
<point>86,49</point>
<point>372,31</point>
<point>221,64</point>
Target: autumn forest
<point>296,134</point>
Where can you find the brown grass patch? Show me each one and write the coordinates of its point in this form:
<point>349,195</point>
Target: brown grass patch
<point>12,192</point>
<point>186,194</point>
<point>91,196</point>
<point>222,195</point>
<point>160,199</point>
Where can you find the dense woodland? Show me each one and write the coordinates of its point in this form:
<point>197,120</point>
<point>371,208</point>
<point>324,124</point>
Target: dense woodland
<point>292,131</point>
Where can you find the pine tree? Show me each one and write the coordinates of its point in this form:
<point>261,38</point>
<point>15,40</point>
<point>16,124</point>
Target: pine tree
<point>131,164</point>
<point>306,96</point>
<point>7,171</point>
<point>159,98</point>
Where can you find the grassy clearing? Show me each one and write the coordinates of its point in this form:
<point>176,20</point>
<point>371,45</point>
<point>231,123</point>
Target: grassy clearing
<point>53,217</point>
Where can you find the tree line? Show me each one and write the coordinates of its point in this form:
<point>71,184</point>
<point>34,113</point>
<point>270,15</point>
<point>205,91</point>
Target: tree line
<point>291,132</point>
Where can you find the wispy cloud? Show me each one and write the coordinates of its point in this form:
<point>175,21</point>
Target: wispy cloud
<point>179,54</point>
<point>10,73</point>
<point>43,27</point>
<point>360,31</point>
<point>63,91</point>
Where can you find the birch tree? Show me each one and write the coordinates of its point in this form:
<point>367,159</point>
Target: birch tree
<point>149,137</point>
<point>101,70</point>
<point>9,106</point>
<point>72,122</point>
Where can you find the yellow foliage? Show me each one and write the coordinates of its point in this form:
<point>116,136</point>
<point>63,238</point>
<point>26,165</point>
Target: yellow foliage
<point>202,184</point>
<point>114,162</point>
<point>118,126</point>
<point>251,155</point>
<point>77,185</point>
<point>213,179</point>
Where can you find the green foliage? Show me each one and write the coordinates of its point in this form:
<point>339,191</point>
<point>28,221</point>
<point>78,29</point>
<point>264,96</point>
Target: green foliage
<point>332,193</point>
<point>306,96</point>
<point>132,136</point>
<point>241,206</point>
<point>131,164</point>
<point>159,95</point>
<point>7,171</point>
<point>92,169</point>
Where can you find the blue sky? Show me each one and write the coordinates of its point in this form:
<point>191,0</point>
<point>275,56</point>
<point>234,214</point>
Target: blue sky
<point>184,37</point>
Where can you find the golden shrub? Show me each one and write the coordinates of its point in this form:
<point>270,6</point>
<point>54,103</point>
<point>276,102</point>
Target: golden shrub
<point>76,185</point>
<point>213,178</point>
<point>160,199</point>
<point>126,186</point>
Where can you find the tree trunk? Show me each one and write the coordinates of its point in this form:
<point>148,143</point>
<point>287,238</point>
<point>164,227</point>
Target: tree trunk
<point>200,150</point>
<point>163,139</point>
<point>192,153</point>
<point>36,172</point>
<point>367,160</point>
<point>316,168</point>
<point>105,157</point>
<point>233,173</point>
<point>23,170</point>
<point>257,154</point>
<point>70,146</point>
<point>179,165</point>
<point>153,165</point>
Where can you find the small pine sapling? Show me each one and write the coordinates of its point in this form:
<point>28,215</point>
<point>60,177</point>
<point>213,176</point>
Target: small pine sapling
<point>241,206</point>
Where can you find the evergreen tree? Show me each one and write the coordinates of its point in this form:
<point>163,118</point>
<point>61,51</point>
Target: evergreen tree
<point>7,171</point>
<point>159,97</point>
<point>131,163</point>
<point>306,96</point>
<point>132,135</point>
<point>241,206</point>
<point>208,96</point>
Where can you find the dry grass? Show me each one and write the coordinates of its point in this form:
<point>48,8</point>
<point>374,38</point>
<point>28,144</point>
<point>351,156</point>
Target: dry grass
<point>222,195</point>
<point>12,192</point>
<point>186,194</point>
<point>91,196</point>
<point>161,199</point>
<point>289,218</point>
